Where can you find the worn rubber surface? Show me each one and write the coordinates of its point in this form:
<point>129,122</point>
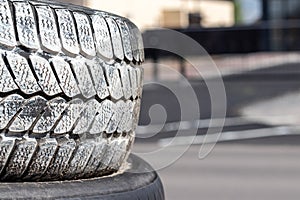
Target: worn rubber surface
<point>70,89</point>
<point>126,186</point>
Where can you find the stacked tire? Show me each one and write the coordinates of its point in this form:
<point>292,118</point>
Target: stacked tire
<point>70,90</point>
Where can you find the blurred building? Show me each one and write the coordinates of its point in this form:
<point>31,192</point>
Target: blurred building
<point>170,13</point>
<point>279,20</point>
<point>250,11</point>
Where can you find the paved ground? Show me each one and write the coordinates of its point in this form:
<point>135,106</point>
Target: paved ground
<point>241,90</point>
<point>260,170</point>
<point>284,109</point>
<point>266,169</point>
<point>246,90</point>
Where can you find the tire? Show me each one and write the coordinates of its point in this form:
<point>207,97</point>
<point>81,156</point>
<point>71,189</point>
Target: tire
<point>70,90</point>
<point>125,186</point>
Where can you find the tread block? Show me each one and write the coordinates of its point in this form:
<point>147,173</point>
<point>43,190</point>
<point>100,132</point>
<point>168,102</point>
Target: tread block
<point>23,75</point>
<point>80,158</point>
<point>48,29</point>
<point>95,67</point>
<point>109,154</point>
<point>126,85</point>
<point>105,112</point>
<point>6,148</point>
<point>50,116</point>
<point>72,113</point>
<point>67,30</point>
<point>114,81</point>
<point>9,107</point>
<point>140,45</point>
<point>126,39</point>
<point>46,77</point>
<point>7,31</point>
<point>85,34</point>
<point>59,163</point>
<point>66,78</point>
<point>26,25</point>
<point>20,158</point>
<point>133,40</point>
<point>31,109</point>
<point>84,79</point>
<point>136,113</point>
<point>134,83</point>
<point>116,118</point>
<point>7,83</point>
<point>115,38</point>
<point>102,37</point>
<point>87,117</point>
<point>120,151</point>
<point>140,78</point>
<point>41,159</point>
<point>98,153</point>
<point>127,115</point>
<point>129,123</point>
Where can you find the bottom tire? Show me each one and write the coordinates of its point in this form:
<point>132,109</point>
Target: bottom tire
<point>126,186</point>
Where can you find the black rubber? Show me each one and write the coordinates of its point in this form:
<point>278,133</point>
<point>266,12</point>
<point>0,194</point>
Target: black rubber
<point>126,186</point>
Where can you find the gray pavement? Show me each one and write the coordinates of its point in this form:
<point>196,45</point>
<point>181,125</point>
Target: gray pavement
<point>233,171</point>
<point>265,168</point>
<point>281,110</point>
<point>241,90</point>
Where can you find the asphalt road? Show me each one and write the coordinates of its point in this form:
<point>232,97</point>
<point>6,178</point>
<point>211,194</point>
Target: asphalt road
<point>260,169</point>
<point>241,90</point>
<point>266,169</point>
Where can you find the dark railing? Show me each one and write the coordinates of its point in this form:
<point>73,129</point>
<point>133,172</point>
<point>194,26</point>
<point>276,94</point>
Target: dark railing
<point>276,36</point>
<point>262,37</point>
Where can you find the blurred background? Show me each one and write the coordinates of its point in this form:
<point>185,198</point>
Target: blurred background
<point>255,46</point>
